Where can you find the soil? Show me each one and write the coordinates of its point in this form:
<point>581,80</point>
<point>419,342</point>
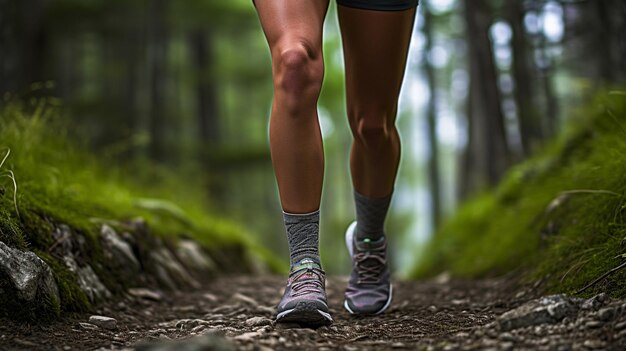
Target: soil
<point>236,313</point>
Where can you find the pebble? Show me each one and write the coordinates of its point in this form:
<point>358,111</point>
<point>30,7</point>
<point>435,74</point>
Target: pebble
<point>248,336</point>
<point>257,321</point>
<point>245,299</point>
<point>593,324</point>
<point>620,325</point>
<point>606,314</point>
<point>145,294</point>
<point>103,322</point>
<point>88,326</point>
<point>593,344</point>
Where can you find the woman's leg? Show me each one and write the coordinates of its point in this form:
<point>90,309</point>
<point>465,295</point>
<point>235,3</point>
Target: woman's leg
<point>375,49</point>
<point>294,33</point>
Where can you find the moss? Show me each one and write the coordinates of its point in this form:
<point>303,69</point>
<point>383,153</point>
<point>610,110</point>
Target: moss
<point>71,296</point>
<point>58,182</point>
<point>543,218</point>
<point>10,232</point>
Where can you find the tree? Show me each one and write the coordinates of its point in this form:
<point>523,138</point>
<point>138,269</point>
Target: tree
<point>487,154</point>
<point>433,160</point>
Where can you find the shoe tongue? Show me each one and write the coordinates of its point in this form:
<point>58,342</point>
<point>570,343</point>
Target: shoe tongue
<point>305,264</point>
<point>367,244</point>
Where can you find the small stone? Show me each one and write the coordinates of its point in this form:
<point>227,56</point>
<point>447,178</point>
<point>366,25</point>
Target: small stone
<point>257,321</point>
<point>245,299</point>
<point>432,308</point>
<point>88,326</point>
<point>593,344</point>
<point>620,325</point>
<point>549,309</point>
<point>607,313</point>
<point>398,345</point>
<point>507,337</point>
<point>595,302</point>
<point>286,326</point>
<point>507,345</point>
<point>210,297</point>
<point>593,324</point>
<point>103,322</point>
<point>248,336</point>
<point>145,294</point>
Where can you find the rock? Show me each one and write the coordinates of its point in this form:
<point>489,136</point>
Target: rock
<point>608,313</point>
<point>119,252</point>
<point>210,297</point>
<point>29,275</point>
<point>103,322</point>
<point>169,271</point>
<point>257,321</point>
<point>88,281</point>
<point>593,324</point>
<point>593,344</point>
<point>245,299</point>
<point>145,294</point>
<point>248,336</point>
<point>549,309</point>
<point>206,342</point>
<point>88,326</point>
<point>596,302</point>
<point>193,257</point>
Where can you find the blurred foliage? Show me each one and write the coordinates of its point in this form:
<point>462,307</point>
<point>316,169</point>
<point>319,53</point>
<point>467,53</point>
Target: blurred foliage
<point>560,215</point>
<point>57,181</point>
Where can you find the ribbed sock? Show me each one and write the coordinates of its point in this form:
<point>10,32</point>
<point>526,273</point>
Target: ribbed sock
<point>370,215</point>
<point>303,235</point>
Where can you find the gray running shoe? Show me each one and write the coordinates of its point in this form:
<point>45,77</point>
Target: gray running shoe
<point>304,300</point>
<point>369,288</point>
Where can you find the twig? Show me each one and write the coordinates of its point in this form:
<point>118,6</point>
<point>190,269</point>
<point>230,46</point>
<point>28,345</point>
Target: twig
<point>590,191</point>
<point>611,271</point>
<point>5,157</point>
<point>610,113</point>
<point>577,265</point>
<point>9,174</point>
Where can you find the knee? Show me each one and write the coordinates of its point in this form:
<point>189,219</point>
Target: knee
<point>298,72</point>
<point>372,128</point>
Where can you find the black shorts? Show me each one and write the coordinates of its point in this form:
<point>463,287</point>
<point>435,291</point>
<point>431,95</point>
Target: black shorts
<point>380,5</point>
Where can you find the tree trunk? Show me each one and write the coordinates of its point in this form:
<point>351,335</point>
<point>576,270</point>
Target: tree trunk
<point>487,154</point>
<point>22,45</point>
<point>433,160</point>
<point>207,117</point>
<point>527,114</point>
<point>158,71</point>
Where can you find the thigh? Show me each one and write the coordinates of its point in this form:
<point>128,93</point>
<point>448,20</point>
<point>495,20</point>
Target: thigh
<point>290,22</point>
<point>375,45</point>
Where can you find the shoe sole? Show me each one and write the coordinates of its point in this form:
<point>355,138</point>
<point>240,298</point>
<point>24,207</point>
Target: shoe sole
<point>349,240</point>
<point>305,314</point>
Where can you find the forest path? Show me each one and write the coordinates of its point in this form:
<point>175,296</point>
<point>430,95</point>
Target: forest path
<point>236,312</point>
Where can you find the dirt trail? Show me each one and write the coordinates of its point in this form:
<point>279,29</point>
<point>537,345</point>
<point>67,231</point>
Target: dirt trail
<point>236,312</point>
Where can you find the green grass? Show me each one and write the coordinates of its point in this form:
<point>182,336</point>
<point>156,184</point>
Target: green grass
<point>57,181</point>
<point>560,216</point>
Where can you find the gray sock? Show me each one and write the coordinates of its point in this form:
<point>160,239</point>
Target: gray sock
<point>370,215</point>
<point>303,235</point>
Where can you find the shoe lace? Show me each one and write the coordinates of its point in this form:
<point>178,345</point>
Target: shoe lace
<point>307,280</point>
<point>369,266</point>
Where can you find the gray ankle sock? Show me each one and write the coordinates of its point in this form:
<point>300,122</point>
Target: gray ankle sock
<point>303,235</point>
<point>370,215</point>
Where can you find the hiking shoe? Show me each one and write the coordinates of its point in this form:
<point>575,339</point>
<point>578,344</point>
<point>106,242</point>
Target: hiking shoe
<point>304,300</point>
<point>369,288</point>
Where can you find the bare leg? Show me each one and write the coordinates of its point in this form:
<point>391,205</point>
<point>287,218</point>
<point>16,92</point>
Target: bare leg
<point>375,49</point>
<point>294,33</point>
